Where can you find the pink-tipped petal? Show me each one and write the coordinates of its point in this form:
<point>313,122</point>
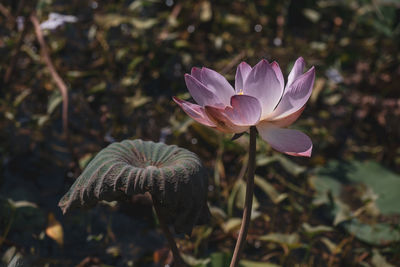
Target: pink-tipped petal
<point>222,121</point>
<point>217,83</point>
<point>278,73</point>
<point>201,94</point>
<point>288,120</point>
<point>263,84</point>
<point>196,72</point>
<point>291,142</point>
<point>245,110</point>
<point>242,72</point>
<point>295,96</point>
<point>297,70</point>
<point>194,111</point>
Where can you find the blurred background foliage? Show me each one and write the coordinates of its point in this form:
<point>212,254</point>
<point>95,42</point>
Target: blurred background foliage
<point>122,61</point>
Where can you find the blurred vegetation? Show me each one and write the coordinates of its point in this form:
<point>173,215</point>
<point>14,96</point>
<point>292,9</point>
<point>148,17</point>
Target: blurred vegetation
<point>122,61</point>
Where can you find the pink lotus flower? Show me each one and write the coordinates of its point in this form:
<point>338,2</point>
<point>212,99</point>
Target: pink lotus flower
<point>260,99</point>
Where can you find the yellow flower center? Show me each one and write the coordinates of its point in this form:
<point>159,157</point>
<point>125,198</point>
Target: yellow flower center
<point>241,92</point>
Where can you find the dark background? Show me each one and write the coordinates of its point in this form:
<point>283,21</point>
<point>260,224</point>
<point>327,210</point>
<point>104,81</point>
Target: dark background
<point>122,61</point>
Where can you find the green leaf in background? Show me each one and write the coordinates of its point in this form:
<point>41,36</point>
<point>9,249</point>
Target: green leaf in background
<point>269,190</point>
<point>114,20</point>
<point>100,87</point>
<point>54,100</point>
<point>221,259</point>
<point>237,197</point>
<point>231,224</point>
<point>17,261</point>
<point>285,239</point>
<point>378,260</point>
<point>192,261</point>
<point>246,263</point>
<point>312,15</point>
<point>365,197</point>
<point>15,214</point>
<point>289,166</point>
<point>20,98</point>
<point>313,230</point>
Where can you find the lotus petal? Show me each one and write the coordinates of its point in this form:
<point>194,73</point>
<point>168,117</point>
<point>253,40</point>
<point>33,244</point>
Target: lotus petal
<point>217,83</point>
<point>196,112</point>
<point>242,72</point>
<point>223,121</point>
<point>201,94</point>
<point>278,73</point>
<point>295,96</point>
<point>263,84</point>
<point>297,70</point>
<point>288,141</point>
<point>244,111</point>
<point>288,120</point>
<point>196,72</point>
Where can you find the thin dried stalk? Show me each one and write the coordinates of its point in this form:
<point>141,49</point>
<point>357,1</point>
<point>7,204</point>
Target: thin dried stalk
<point>54,74</point>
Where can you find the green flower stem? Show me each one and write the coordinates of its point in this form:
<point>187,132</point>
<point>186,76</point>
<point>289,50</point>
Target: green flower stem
<point>249,199</point>
<point>178,261</point>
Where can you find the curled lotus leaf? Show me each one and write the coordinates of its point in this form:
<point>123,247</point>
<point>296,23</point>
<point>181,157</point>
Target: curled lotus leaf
<point>173,176</point>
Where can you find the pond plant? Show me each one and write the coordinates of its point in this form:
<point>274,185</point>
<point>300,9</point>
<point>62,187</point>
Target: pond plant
<point>174,178</point>
<point>260,102</point>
